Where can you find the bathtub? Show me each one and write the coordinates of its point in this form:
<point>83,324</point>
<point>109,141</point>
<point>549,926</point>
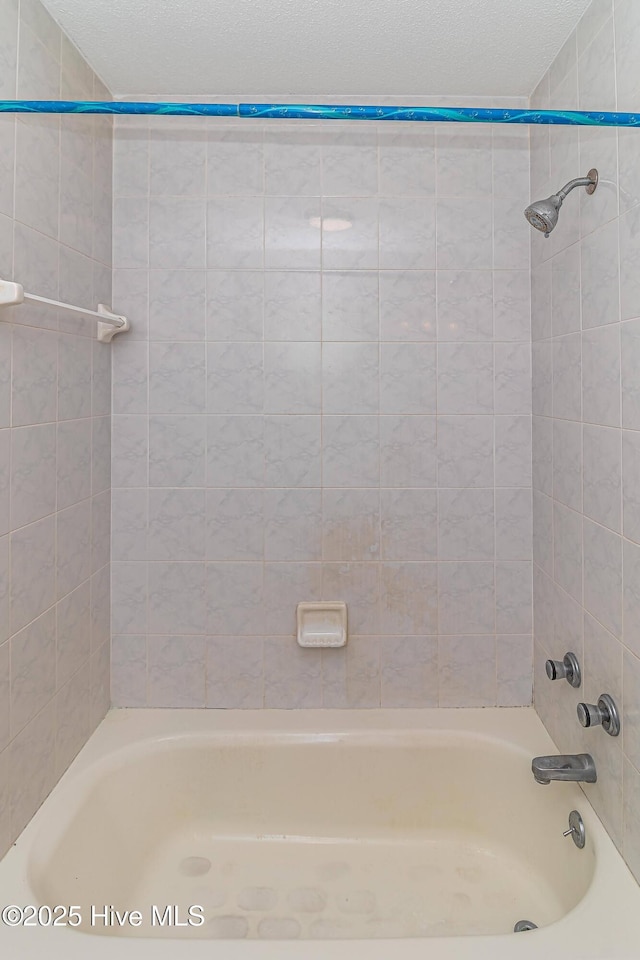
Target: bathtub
<point>309,835</point>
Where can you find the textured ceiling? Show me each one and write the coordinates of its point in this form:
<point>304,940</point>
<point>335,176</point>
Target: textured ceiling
<point>322,47</point>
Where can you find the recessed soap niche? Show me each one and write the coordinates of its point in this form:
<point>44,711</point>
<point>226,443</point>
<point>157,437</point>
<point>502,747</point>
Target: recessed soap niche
<point>322,624</point>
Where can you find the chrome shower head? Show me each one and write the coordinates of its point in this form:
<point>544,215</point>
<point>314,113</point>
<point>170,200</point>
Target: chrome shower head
<point>543,214</point>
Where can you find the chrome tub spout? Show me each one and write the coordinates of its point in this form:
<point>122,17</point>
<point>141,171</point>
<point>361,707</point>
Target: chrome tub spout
<point>577,767</point>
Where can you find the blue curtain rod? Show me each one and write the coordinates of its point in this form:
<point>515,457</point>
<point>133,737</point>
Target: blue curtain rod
<point>282,111</point>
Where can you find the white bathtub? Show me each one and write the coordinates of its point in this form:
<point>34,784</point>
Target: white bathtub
<point>393,835</point>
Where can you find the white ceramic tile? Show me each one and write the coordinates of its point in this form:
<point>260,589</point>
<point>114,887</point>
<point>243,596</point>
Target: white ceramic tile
<point>292,524</point>
<point>466,595</point>
<point>177,378</point>
<point>74,531</point>
<point>177,301</point>
<point>235,305</point>
<point>542,378</point>
<point>467,671</point>
<point>409,672</point>
<point>349,234</point>
<point>285,585</point>
<point>177,451</point>
<point>597,73</point>
<point>513,451</point>
<point>350,305</point>
<point>235,451</point>
<point>511,236</point>
<point>176,676</point>
<point>129,598</point>
<point>292,676</point>
<point>464,160</point>
<point>235,377</point>
<point>603,575</point>
<point>350,525</point>
<point>33,468</point>
<point>627,37</point>
<point>177,597</point>
<point>176,525</point>
<point>513,507</point>
<point>567,463</point>
<point>292,237</point>
<point>601,376</point>
<point>358,585</point>
<point>407,378</point>
<point>466,525</point>
<point>409,599</point>
<point>514,597</point>
<point>74,462</point>
<point>630,347</point>
<point>292,163</point>
<point>350,164</point>
<point>464,234</point>
<point>514,671</point>
<point>235,592</point>
<point>35,370</point>
<point>33,670</point>
<point>566,291</point>
<point>234,672</point>
<point>33,571</point>
<point>131,377</point>
<point>177,164</point>
<point>129,451</point>
<point>465,451</point>
<point>600,280</point>
<point>541,286</point>
<point>566,377</point>
<point>465,305</point>
<point>408,451</point>
<point>350,451</point>
<point>351,675</point>
<point>235,162</point>
<point>602,475</point>
<point>512,304</point>
<point>292,451</point>
<point>630,495</point>
<point>350,378</point>
<point>235,231</point>
<point>73,637</point>
<point>407,163</point>
<point>293,306</point>
<point>235,525</point>
<point>407,234</point>
<point>465,378</point>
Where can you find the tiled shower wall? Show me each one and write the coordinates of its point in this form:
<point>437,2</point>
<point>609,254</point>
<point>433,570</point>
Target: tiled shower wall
<point>55,238</point>
<point>304,413</point>
<point>586,451</point>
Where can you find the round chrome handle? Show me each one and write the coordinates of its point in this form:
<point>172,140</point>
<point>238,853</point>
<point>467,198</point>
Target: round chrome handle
<point>566,669</point>
<point>604,713</point>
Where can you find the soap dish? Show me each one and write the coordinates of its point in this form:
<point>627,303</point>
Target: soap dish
<point>322,624</point>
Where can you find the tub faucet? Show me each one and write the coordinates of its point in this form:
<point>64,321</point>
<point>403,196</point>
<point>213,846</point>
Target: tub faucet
<point>566,766</point>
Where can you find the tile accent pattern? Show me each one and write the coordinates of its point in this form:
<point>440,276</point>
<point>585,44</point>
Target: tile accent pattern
<point>586,444</point>
<point>55,237</point>
<point>326,394</point>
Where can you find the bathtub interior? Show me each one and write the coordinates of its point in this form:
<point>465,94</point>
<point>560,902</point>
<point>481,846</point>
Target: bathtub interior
<point>318,837</point>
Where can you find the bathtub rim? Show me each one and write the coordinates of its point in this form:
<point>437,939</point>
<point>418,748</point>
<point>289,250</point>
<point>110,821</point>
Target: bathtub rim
<point>613,894</point>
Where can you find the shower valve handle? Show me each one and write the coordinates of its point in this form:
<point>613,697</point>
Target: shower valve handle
<point>604,713</point>
<point>567,669</point>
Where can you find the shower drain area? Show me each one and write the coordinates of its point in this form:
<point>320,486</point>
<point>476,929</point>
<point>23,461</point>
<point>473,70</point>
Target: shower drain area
<point>286,888</point>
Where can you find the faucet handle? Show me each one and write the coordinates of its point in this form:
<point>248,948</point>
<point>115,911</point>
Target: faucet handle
<point>566,669</point>
<point>603,712</point>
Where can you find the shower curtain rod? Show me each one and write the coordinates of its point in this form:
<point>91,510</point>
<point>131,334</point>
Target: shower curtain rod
<point>285,111</point>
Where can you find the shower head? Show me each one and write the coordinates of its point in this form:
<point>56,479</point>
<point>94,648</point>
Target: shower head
<point>543,214</point>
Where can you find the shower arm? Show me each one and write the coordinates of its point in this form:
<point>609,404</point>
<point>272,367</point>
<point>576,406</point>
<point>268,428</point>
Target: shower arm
<point>588,182</point>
